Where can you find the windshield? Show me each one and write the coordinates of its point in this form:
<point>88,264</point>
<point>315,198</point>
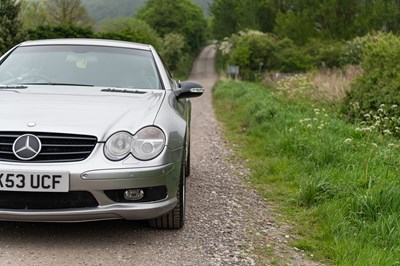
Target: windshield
<point>80,65</point>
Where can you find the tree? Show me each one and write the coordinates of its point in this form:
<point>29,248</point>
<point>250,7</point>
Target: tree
<point>59,31</point>
<point>67,12</point>
<point>301,20</point>
<point>33,14</point>
<point>231,16</point>
<point>171,16</point>
<point>11,31</point>
<point>129,29</point>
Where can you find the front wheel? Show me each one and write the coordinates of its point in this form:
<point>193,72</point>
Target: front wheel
<point>175,219</point>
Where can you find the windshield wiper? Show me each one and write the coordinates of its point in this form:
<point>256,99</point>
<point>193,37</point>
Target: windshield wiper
<point>13,86</point>
<point>58,84</point>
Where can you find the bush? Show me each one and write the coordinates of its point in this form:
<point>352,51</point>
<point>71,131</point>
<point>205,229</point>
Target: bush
<point>353,50</point>
<point>175,55</point>
<point>326,53</point>
<point>255,51</point>
<point>379,87</point>
<point>55,32</point>
<point>129,29</point>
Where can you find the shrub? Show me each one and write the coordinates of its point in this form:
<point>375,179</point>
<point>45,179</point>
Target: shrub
<point>380,84</point>
<point>55,32</point>
<point>254,51</point>
<point>174,53</point>
<point>325,53</point>
<point>129,29</point>
<point>353,50</point>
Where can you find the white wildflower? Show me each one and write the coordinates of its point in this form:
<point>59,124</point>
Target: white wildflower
<point>387,132</point>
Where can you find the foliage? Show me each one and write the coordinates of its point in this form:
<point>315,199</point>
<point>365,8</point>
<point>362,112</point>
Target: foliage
<point>11,31</point>
<point>353,50</point>
<point>255,51</point>
<point>325,53</point>
<point>301,20</point>
<point>59,31</point>
<point>33,14</point>
<point>232,16</point>
<point>101,10</point>
<point>295,26</point>
<point>380,83</point>
<point>129,29</point>
<point>337,184</point>
<point>183,17</point>
<point>66,12</point>
<point>173,51</point>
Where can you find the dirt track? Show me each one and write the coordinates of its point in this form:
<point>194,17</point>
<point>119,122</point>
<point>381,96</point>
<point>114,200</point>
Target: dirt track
<point>225,219</point>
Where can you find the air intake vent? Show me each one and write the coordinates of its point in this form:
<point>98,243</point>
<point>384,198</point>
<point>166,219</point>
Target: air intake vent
<point>55,147</point>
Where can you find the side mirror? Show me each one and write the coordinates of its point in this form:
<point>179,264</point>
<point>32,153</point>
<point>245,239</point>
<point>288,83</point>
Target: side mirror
<point>189,89</point>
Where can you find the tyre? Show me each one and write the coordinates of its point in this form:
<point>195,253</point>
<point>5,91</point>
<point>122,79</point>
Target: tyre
<point>175,219</point>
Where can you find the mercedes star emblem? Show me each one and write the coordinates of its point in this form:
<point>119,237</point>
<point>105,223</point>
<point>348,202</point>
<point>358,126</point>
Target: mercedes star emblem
<point>27,147</point>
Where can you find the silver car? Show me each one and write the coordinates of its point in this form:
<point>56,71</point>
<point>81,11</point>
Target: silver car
<point>92,130</point>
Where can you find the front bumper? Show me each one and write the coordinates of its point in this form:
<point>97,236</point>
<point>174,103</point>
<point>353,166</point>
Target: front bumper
<point>97,175</point>
<point>128,211</point>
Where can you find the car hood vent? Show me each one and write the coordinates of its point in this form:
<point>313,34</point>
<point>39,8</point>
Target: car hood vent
<point>132,91</point>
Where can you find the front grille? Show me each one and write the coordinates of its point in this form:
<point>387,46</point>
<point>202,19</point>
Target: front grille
<point>56,147</point>
<point>46,200</point>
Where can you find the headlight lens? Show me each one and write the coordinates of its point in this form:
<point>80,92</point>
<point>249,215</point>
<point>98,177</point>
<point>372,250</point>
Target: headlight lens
<point>147,144</point>
<point>118,146</point>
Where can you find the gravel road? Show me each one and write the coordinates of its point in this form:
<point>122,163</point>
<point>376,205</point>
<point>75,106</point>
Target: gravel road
<point>226,219</point>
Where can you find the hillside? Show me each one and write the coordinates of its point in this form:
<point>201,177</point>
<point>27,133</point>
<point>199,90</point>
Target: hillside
<point>101,10</point>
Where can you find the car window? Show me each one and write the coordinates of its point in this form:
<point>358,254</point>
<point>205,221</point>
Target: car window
<point>74,64</point>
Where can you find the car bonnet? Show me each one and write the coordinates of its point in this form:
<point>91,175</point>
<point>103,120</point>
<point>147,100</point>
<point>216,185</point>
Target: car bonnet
<point>98,114</point>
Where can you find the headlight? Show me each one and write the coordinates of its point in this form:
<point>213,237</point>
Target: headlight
<point>118,146</point>
<point>147,144</point>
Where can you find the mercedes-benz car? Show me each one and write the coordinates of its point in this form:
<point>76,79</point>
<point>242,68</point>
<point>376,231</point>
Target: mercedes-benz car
<point>92,130</point>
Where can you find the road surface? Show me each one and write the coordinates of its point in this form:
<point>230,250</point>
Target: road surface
<point>226,219</point>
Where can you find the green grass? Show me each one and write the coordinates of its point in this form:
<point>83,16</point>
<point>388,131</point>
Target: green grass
<point>338,186</point>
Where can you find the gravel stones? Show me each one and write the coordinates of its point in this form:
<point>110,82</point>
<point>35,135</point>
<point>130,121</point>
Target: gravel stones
<point>227,221</point>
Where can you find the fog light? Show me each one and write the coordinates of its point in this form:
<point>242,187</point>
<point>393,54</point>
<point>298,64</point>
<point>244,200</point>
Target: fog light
<point>134,194</point>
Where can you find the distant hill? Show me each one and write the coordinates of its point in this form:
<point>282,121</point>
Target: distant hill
<point>100,10</point>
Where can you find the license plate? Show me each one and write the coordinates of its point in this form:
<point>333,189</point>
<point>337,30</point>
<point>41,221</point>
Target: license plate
<point>34,181</point>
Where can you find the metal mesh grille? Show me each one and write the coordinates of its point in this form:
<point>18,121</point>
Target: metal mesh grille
<point>46,200</point>
<point>55,147</point>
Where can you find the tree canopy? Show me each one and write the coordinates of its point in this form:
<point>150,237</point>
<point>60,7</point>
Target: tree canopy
<point>171,16</point>
<point>302,20</point>
<point>231,16</point>
<point>11,31</point>
<point>129,29</point>
<point>66,12</point>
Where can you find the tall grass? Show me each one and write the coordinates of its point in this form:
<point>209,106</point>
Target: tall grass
<point>339,185</point>
<point>324,85</point>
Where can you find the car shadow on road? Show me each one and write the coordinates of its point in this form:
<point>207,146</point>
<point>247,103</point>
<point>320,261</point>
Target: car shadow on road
<point>66,234</point>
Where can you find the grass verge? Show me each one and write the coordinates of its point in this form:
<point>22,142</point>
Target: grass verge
<point>339,186</point>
